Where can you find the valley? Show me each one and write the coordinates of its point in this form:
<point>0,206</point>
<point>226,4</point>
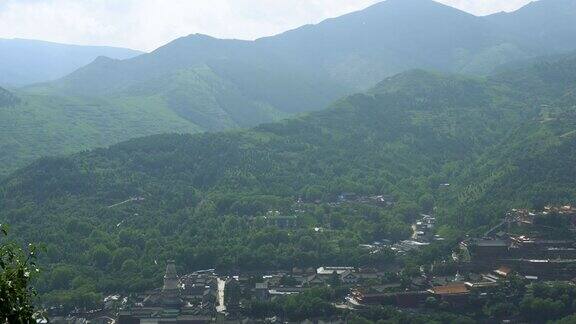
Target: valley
<point>406,163</point>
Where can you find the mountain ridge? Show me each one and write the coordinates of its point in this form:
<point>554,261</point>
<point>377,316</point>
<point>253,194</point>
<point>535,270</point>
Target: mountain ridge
<point>211,84</point>
<point>28,61</point>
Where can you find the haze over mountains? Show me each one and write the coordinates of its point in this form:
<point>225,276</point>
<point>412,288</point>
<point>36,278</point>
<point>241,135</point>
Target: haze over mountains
<point>30,61</point>
<point>199,83</point>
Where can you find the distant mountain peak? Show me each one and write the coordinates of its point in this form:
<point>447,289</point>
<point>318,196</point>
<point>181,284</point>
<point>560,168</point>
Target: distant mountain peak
<point>103,59</point>
<point>200,36</point>
<point>411,5</point>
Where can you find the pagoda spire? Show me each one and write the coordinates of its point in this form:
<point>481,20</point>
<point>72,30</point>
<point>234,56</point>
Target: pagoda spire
<point>170,277</point>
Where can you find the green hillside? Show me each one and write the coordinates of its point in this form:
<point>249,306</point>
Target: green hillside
<point>205,84</point>
<point>32,126</point>
<point>533,166</point>
<point>202,199</point>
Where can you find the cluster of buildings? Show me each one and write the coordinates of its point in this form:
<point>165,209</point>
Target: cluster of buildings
<point>386,201</point>
<point>190,299</point>
<point>423,233</point>
<point>522,244</point>
<point>534,258</point>
<point>203,297</point>
<point>454,289</point>
<point>527,217</point>
<point>424,229</point>
<point>525,244</point>
<point>272,286</point>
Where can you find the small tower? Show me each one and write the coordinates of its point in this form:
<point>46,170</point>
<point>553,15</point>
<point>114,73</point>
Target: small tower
<point>170,278</point>
<point>171,287</point>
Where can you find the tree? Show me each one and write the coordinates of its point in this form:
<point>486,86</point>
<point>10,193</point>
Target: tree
<point>61,277</point>
<point>426,203</point>
<point>431,302</point>
<point>129,266</point>
<point>541,309</point>
<point>17,269</point>
<point>101,256</point>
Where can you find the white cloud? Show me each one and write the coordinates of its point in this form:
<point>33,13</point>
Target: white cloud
<point>147,24</point>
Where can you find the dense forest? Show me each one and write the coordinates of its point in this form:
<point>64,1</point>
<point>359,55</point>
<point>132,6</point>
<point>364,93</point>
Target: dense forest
<point>109,218</point>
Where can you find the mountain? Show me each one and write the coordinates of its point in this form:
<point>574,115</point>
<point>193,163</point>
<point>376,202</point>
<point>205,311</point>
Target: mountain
<point>309,67</point>
<point>199,83</point>
<point>30,61</point>
<point>353,52</point>
<point>205,199</point>
<point>543,27</point>
<point>362,48</point>
<point>533,166</point>
<point>303,69</point>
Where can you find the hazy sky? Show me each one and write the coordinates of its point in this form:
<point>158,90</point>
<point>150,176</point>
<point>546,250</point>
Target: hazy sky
<point>147,24</point>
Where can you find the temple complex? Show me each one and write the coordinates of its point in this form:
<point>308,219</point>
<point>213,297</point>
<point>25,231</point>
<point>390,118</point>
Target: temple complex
<point>187,300</point>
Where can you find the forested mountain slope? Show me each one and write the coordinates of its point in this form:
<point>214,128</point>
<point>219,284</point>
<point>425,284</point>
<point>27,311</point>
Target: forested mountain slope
<point>408,110</point>
<point>32,126</point>
<point>543,27</point>
<point>205,196</point>
<point>535,164</point>
<point>199,83</point>
<point>26,61</point>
